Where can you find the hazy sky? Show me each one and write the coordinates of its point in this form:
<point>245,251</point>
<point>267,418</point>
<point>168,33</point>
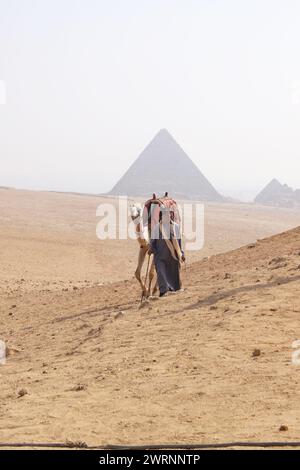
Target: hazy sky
<point>89,83</point>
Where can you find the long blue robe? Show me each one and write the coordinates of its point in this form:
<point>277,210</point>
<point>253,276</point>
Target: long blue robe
<point>167,268</point>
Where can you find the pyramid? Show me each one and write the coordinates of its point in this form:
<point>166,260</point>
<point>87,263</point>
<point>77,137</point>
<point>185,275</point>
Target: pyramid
<point>277,194</point>
<point>164,167</point>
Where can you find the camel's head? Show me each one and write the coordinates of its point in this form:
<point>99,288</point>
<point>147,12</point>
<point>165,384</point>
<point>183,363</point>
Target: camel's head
<point>135,212</point>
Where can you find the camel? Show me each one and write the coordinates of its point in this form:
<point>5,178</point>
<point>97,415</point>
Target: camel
<point>136,216</point>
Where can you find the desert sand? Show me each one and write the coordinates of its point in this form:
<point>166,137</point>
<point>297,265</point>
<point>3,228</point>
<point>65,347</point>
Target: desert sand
<point>86,362</point>
<point>48,240</point>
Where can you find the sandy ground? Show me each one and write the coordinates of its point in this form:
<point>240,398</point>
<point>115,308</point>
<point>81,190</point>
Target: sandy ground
<point>90,364</point>
<point>48,240</point>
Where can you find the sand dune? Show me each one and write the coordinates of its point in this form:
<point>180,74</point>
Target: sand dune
<point>91,365</point>
<point>48,240</point>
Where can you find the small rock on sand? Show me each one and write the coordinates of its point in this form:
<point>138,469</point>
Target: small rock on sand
<point>283,428</point>
<point>118,315</point>
<point>256,353</point>
<point>22,392</point>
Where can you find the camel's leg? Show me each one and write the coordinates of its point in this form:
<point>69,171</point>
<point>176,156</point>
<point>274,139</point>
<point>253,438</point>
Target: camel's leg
<point>155,288</point>
<point>138,272</point>
<point>151,276</point>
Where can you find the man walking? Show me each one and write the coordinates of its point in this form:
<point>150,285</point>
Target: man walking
<point>165,244</point>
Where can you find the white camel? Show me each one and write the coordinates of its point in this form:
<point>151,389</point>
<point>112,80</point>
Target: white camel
<point>143,241</point>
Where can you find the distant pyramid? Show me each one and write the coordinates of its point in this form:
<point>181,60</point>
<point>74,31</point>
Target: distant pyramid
<point>164,166</point>
<point>277,194</point>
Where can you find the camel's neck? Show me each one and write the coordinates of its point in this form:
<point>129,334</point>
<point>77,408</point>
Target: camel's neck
<point>140,235</point>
